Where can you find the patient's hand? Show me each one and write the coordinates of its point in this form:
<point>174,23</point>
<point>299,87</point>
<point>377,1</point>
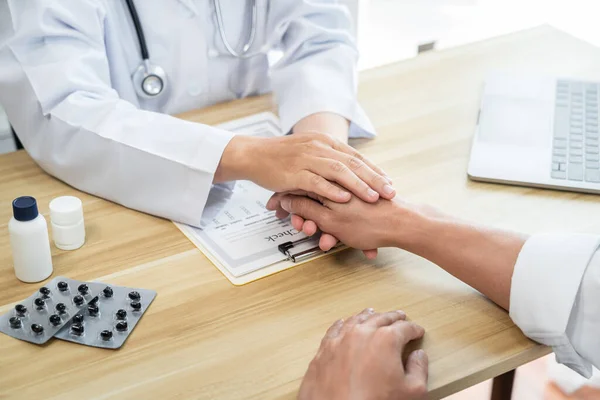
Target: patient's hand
<point>326,241</point>
<point>356,223</point>
<point>361,358</point>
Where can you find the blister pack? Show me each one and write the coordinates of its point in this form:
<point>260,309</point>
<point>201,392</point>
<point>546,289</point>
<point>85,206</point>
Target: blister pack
<point>39,317</point>
<point>109,318</point>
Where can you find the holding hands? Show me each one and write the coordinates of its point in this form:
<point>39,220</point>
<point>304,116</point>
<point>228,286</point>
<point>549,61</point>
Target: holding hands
<point>361,225</point>
<point>305,163</point>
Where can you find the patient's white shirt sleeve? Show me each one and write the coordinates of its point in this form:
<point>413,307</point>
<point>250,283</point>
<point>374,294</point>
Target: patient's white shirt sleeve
<point>555,297</point>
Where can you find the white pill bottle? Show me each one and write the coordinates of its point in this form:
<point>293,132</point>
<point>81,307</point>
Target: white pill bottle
<point>66,219</point>
<point>29,241</point>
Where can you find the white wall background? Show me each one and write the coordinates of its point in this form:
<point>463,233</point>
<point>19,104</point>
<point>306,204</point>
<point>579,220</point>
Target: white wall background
<point>390,30</point>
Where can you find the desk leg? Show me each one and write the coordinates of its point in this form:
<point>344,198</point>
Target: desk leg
<point>503,385</point>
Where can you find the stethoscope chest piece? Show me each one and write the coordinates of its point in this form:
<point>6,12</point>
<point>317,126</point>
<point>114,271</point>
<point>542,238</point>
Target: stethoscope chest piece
<point>149,80</point>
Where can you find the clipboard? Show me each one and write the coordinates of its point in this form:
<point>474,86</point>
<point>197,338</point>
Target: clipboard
<point>300,258</point>
<point>238,235</point>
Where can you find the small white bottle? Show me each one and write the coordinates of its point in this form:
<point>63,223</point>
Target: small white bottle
<point>66,219</point>
<point>29,241</point>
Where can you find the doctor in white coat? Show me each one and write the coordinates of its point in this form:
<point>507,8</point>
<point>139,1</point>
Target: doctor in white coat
<point>90,85</point>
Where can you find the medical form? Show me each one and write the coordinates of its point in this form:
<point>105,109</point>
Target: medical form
<point>236,231</point>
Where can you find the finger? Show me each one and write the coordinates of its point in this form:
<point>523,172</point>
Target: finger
<point>346,148</point>
<point>297,222</point>
<point>315,182</point>
<point>417,369</point>
<point>309,228</point>
<point>334,330</point>
<point>359,318</point>
<point>376,181</point>
<point>317,197</point>
<point>327,242</point>
<point>364,315</point>
<point>406,331</point>
<point>273,203</point>
<point>335,169</point>
<point>387,319</point>
<point>306,208</point>
<point>370,254</point>
<point>281,213</point>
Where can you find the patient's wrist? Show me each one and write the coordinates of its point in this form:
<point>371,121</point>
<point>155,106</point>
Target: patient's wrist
<point>415,227</point>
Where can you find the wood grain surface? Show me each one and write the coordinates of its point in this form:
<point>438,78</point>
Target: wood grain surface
<point>204,338</point>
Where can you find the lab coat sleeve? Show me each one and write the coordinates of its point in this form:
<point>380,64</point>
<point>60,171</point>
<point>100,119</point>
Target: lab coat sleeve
<point>55,86</point>
<point>317,72</point>
<point>555,297</point>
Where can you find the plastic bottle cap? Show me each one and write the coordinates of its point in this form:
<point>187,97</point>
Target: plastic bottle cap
<point>25,208</point>
<point>66,210</point>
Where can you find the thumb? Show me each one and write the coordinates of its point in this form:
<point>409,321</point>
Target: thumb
<point>417,369</point>
<point>304,207</point>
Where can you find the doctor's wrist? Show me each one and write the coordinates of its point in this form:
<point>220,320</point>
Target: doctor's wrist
<point>236,161</point>
<point>327,123</point>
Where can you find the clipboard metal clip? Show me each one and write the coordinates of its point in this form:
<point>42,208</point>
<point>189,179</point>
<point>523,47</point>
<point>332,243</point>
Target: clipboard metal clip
<point>286,249</point>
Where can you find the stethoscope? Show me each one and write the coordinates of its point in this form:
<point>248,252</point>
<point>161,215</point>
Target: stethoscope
<point>151,80</point>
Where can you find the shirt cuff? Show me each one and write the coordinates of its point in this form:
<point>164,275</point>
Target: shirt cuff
<point>202,175</point>
<point>545,283</point>
<point>305,97</point>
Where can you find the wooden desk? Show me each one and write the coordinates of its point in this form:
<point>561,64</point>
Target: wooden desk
<point>204,338</point>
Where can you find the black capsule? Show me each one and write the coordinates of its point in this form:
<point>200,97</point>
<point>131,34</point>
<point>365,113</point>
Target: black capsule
<point>77,329</point>
<point>61,308</point>
<point>108,292</point>
<point>54,320</point>
<point>78,319</point>
<point>134,295</point>
<point>39,303</point>
<point>136,305</point>
<point>14,322</point>
<point>121,326</point>
<point>37,329</point>
<point>21,310</point>
<point>63,286</point>
<point>83,289</point>
<point>45,292</point>
<point>93,310</point>
<point>78,300</point>
<point>121,314</point>
<point>106,335</point>
<point>93,301</point>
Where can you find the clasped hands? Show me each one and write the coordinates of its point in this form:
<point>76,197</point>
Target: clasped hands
<point>336,215</point>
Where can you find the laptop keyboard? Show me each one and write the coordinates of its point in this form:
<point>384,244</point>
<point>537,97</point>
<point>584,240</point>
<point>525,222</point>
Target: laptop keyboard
<point>576,148</point>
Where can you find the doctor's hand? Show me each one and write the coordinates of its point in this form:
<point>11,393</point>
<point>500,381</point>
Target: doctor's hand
<point>309,162</point>
<point>361,358</point>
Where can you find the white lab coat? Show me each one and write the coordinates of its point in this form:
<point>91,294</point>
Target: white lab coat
<point>65,81</point>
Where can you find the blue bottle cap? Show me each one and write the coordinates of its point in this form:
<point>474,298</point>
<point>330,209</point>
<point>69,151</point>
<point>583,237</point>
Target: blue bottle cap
<point>25,208</point>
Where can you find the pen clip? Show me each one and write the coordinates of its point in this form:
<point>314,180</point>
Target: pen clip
<point>302,255</point>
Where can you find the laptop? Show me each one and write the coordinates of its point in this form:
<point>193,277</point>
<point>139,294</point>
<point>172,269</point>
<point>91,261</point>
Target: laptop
<point>538,131</point>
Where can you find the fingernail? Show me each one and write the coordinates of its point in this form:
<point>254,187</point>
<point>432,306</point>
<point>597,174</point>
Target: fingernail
<point>388,179</point>
<point>286,204</point>
<point>370,310</point>
<point>371,193</point>
<point>344,195</point>
<point>402,313</point>
<point>387,189</point>
<point>420,354</point>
